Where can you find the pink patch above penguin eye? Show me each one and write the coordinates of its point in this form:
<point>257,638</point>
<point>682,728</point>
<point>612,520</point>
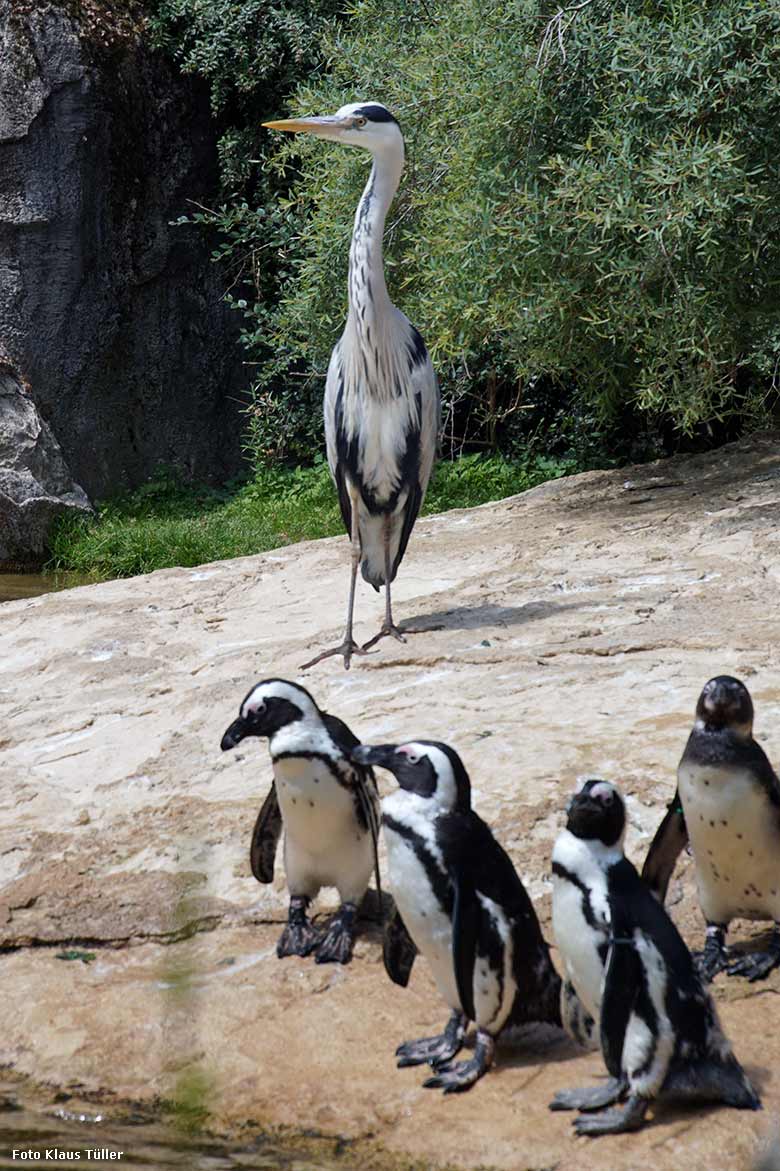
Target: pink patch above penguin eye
<point>602,793</point>
<point>409,753</point>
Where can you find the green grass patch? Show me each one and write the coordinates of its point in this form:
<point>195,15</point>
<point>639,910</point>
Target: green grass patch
<point>166,523</point>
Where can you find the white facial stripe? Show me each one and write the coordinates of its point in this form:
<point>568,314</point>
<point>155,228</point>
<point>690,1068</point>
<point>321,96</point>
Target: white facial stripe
<point>277,688</point>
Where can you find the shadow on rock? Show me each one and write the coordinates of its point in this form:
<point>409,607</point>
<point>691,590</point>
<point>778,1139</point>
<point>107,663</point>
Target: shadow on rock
<point>473,617</point>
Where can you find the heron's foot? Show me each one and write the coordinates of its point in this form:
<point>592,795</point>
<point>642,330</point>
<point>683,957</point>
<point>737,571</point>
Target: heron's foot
<point>337,942</point>
<point>615,1121</point>
<point>755,965</point>
<point>347,648</point>
<point>714,958</point>
<point>300,937</point>
<point>593,1098</point>
<point>435,1050</point>
<point>389,629</point>
<point>455,1077</point>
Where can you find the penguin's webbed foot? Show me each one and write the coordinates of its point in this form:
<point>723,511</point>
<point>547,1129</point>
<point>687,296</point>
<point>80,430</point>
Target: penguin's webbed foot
<point>714,957</point>
<point>616,1121</point>
<point>299,937</point>
<point>755,965</point>
<point>336,944</point>
<point>435,1050</point>
<point>455,1077</point>
<point>297,940</point>
<point>592,1098</point>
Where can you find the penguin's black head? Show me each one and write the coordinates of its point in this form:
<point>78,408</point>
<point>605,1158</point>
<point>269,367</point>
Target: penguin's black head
<point>725,703</point>
<point>424,767</point>
<point>269,706</point>
<point>596,813</point>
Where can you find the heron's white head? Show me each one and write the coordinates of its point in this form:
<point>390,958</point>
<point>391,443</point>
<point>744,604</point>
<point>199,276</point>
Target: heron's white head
<point>369,125</point>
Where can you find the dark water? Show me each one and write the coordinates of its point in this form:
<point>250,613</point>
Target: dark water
<point>149,1144</point>
<point>30,585</point>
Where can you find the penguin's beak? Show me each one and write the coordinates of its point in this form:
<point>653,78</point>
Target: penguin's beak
<point>382,755</point>
<point>234,734</point>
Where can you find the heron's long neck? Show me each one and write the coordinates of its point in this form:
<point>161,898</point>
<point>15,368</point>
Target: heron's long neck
<point>368,298</point>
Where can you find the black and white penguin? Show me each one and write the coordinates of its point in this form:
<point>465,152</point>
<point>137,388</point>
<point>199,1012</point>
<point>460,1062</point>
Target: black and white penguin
<point>728,804</point>
<point>327,804</point>
<point>660,1034</point>
<point>580,912</point>
<point>463,906</point>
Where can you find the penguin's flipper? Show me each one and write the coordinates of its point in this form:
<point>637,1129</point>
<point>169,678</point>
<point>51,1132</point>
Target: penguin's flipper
<point>265,838</point>
<point>398,949</point>
<point>365,791</point>
<point>465,914</point>
<point>622,985</point>
<point>670,840</point>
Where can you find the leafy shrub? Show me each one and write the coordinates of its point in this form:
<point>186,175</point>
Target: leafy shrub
<point>591,214</point>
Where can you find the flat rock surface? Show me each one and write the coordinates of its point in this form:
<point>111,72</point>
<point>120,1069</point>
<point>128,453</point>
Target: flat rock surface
<point>580,621</point>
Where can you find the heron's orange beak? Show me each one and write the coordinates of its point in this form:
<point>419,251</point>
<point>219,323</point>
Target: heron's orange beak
<point>327,127</point>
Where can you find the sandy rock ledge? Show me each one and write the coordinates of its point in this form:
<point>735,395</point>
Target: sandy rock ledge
<point>580,621</point>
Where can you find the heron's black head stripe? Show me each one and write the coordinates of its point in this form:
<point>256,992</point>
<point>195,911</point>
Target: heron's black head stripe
<point>376,114</point>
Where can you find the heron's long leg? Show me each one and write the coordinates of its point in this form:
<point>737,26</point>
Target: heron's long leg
<point>388,626</point>
<point>348,647</point>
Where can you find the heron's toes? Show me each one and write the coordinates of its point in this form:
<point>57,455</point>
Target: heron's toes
<point>347,648</point>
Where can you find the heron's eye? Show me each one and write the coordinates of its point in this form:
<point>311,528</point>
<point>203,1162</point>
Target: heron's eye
<point>360,121</point>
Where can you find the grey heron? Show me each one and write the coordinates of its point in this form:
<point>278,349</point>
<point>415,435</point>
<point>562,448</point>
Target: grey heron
<point>381,401</point>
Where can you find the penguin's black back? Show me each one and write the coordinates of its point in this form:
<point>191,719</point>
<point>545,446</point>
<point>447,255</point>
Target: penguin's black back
<point>479,864</point>
<point>633,907</point>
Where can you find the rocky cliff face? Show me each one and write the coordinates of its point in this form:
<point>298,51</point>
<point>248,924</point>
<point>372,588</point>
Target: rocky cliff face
<point>35,484</point>
<point>114,316</point>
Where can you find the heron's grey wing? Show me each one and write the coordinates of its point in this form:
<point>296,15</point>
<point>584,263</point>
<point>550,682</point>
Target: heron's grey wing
<point>334,387</point>
<point>670,840</point>
<point>265,838</point>
<point>427,386</point>
<point>398,949</point>
<point>425,390</point>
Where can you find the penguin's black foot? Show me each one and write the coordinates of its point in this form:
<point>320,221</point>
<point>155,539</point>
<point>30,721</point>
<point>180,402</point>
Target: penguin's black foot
<point>347,648</point>
<point>615,1121</point>
<point>594,1098</point>
<point>755,965</point>
<point>455,1077</point>
<point>714,958</point>
<point>336,944</point>
<point>435,1050</point>
<point>299,937</point>
<point>297,941</point>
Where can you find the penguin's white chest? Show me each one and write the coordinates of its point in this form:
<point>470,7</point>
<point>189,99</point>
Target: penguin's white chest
<point>324,844</point>
<point>317,810</point>
<point>733,834</point>
<point>581,917</point>
<point>426,919</point>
